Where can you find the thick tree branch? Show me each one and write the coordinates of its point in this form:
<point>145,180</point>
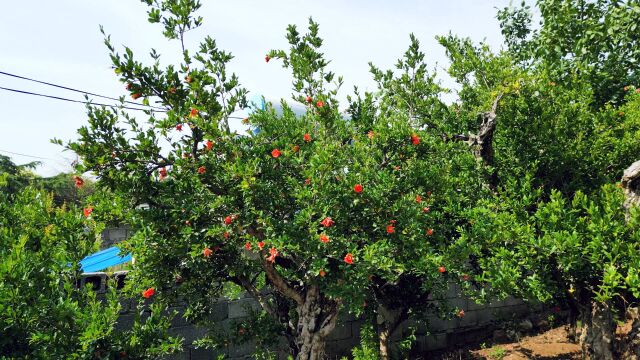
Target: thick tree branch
<point>278,281</point>
<point>255,293</point>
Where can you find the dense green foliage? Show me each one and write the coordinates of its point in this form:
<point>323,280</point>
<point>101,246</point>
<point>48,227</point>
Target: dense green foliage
<point>43,314</point>
<point>387,206</point>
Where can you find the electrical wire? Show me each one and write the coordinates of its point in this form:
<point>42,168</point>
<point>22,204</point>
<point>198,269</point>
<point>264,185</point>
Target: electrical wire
<point>25,155</point>
<point>76,101</point>
<point>72,89</point>
<point>92,103</point>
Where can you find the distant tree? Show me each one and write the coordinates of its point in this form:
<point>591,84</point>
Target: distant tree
<point>15,177</point>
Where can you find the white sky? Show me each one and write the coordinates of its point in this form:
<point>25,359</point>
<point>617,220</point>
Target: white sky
<point>59,42</point>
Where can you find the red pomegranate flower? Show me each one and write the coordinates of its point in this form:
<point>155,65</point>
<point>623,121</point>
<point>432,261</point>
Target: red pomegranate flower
<point>429,232</point>
<point>130,85</point>
<point>460,313</point>
<point>193,113</point>
<point>442,269</point>
<point>225,235</point>
<point>391,229</point>
<point>134,96</point>
<point>87,211</point>
<point>307,137</point>
<point>320,104</point>
<point>426,209</point>
<point>208,144</point>
<point>267,58</point>
<point>207,252</point>
<point>261,245</point>
<point>327,222</point>
<point>148,293</point>
<point>307,181</point>
<point>309,100</point>
<point>418,199</point>
<point>273,252</point>
<point>78,180</point>
<point>324,238</point>
<point>322,273</point>
<point>348,258</point>
<point>228,220</point>
<point>202,170</point>
<point>415,139</point>
<point>179,127</point>
<point>276,153</point>
<point>247,245</point>
<point>357,188</point>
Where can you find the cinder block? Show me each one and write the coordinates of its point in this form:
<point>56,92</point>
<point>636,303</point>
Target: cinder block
<point>433,342</point>
<point>453,291</point>
<point>220,311</point>
<point>472,305</point>
<point>117,234</point>
<point>182,355</point>
<point>242,350</point>
<point>206,354</point>
<point>339,348</point>
<point>97,281</point>
<point>125,322</point>
<point>342,331</point>
<point>470,319</point>
<point>240,308</point>
<point>188,333</point>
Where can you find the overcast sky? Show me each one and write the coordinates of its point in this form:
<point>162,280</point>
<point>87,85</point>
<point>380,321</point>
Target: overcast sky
<point>59,42</point>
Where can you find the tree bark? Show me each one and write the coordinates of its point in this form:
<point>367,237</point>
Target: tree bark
<point>317,316</point>
<point>388,322</point>
<point>631,185</point>
<point>598,333</point>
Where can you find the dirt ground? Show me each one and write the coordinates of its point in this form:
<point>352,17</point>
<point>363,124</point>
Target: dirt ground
<point>550,345</point>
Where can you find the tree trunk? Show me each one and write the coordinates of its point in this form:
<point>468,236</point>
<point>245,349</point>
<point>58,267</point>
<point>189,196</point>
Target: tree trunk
<point>631,185</point>
<point>598,333</point>
<point>388,322</point>
<point>317,317</point>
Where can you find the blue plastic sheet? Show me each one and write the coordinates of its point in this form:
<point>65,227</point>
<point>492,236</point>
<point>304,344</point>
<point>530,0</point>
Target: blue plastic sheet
<point>103,259</point>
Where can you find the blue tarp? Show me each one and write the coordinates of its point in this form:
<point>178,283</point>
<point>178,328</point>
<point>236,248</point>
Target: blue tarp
<point>103,259</point>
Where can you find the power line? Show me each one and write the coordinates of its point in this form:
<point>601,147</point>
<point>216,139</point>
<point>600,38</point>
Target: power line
<point>92,103</point>
<point>76,101</point>
<point>72,89</point>
<point>25,155</point>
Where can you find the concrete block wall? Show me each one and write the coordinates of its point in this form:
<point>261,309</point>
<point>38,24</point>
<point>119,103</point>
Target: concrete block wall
<point>440,334</point>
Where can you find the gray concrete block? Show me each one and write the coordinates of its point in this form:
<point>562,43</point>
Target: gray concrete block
<point>242,350</point>
<point>188,333</point>
<point>240,308</point>
<point>341,331</point>
<point>96,280</point>
<point>433,342</point>
<point>470,319</point>
<point>453,291</point>
<point>220,311</point>
<point>125,322</point>
<point>206,354</point>
<point>117,234</point>
<point>339,348</point>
